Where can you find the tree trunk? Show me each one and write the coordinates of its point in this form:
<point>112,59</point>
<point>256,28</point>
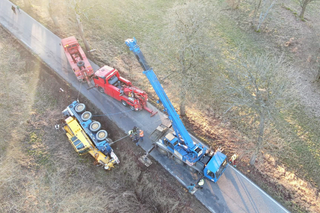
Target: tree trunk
<point>51,13</point>
<point>183,102</point>
<point>303,9</point>
<point>80,27</point>
<point>257,8</point>
<point>183,91</point>
<point>260,140</point>
<point>263,16</point>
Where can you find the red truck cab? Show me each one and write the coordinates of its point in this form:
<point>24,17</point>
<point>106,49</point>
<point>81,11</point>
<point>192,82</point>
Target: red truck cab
<point>109,81</point>
<point>77,59</point>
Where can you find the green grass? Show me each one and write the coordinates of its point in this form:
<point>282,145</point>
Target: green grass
<point>307,148</point>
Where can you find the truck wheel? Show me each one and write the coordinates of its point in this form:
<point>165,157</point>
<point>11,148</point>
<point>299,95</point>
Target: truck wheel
<point>102,135</point>
<point>100,89</point>
<point>132,108</point>
<point>192,169</point>
<point>162,151</point>
<point>124,103</point>
<point>80,64</point>
<point>95,126</point>
<point>178,161</point>
<point>86,115</point>
<point>80,108</point>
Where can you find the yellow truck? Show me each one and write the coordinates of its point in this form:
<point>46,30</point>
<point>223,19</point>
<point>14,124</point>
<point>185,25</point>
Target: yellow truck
<point>86,136</point>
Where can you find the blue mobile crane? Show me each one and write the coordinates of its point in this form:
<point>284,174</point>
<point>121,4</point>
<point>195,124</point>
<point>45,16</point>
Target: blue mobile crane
<point>179,143</point>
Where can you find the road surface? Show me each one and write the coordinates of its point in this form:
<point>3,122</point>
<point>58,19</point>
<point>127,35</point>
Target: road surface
<point>233,192</point>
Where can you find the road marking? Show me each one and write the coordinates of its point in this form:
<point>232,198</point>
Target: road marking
<point>260,189</point>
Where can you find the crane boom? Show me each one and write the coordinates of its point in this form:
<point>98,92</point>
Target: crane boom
<point>180,130</point>
<point>181,146</point>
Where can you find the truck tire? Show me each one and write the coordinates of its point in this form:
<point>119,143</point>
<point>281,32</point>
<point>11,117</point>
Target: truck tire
<point>80,64</point>
<point>178,161</point>
<point>162,151</point>
<point>102,135</point>
<point>100,89</point>
<point>86,116</point>
<point>132,108</point>
<point>95,126</point>
<point>80,107</point>
<point>124,103</point>
<point>192,169</point>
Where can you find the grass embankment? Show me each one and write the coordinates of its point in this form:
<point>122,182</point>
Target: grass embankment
<point>40,170</point>
<point>109,23</point>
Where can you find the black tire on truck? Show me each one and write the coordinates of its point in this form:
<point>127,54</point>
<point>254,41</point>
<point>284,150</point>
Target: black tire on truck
<point>100,89</point>
<point>176,159</point>
<point>80,64</point>
<point>162,151</point>
<point>124,103</point>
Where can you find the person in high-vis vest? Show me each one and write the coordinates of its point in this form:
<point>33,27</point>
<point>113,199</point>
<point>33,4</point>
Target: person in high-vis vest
<point>140,137</point>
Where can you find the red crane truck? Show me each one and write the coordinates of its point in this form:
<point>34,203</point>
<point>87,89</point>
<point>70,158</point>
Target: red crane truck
<point>106,79</point>
<point>77,59</point>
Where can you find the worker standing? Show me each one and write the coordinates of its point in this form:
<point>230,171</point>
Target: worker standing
<point>233,160</point>
<point>13,9</point>
<point>134,135</point>
<point>141,134</point>
<point>192,188</point>
<point>130,133</point>
<point>140,137</point>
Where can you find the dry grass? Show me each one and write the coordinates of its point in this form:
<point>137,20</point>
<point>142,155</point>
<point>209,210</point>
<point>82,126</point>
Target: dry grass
<point>40,172</point>
<point>107,33</point>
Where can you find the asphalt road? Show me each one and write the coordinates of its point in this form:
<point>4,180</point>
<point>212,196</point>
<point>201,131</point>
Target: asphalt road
<point>233,192</point>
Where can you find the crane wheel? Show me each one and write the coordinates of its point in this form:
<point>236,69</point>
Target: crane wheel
<point>102,135</point>
<point>86,115</point>
<point>95,126</point>
<point>80,64</point>
<point>124,103</point>
<point>80,107</point>
<point>162,151</point>
<point>178,161</point>
<point>192,169</point>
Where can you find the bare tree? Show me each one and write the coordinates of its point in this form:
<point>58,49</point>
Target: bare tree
<point>255,96</point>
<point>263,7</point>
<point>78,7</point>
<point>304,4</point>
<point>189,46</point>
<point>78,12</point>
<point>51,8</point>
